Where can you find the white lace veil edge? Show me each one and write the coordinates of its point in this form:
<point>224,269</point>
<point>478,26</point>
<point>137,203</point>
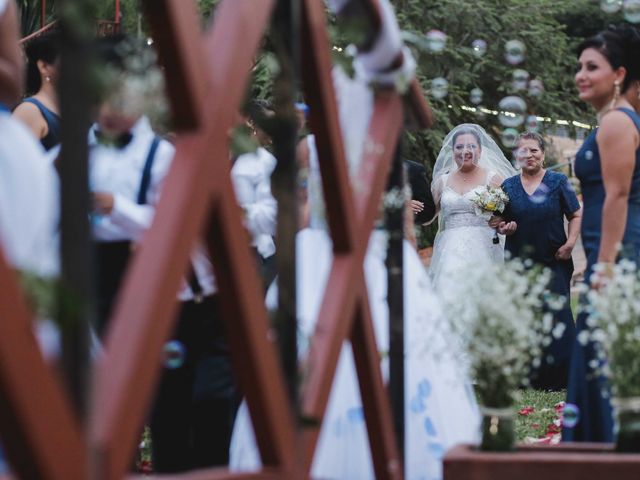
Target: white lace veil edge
<point>491,158</point>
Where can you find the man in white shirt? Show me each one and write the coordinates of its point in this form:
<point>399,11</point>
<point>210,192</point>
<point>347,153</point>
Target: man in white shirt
<point>193,412</point>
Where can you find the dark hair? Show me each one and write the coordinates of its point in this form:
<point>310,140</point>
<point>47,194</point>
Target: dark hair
<point>620,45</point>
<point>466,131</point>
<point>45,47</point>
<point>533,136</point>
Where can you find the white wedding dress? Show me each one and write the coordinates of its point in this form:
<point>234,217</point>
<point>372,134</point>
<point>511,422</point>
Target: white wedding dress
<point>440,408</point>
<point>464,238</point>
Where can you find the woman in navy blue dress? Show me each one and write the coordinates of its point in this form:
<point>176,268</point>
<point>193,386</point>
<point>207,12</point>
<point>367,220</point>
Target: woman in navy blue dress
<point>539,202</point>
<point>40,111</point>
<point>608,166</point>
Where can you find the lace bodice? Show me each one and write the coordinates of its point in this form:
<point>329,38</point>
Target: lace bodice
<point>458,210</point>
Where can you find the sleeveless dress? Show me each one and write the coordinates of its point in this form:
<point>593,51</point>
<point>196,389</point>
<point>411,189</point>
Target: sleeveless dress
<point>464,239</point>
<point>585,388</point>
<point>53,136</point>
<point>540,218</point>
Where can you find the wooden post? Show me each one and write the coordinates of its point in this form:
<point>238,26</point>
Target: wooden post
<point>286,22</point>
<point>394,220</point>
<point>75,306</point>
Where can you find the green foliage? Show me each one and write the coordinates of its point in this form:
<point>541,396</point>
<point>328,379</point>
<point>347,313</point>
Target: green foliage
<point>549,57</point>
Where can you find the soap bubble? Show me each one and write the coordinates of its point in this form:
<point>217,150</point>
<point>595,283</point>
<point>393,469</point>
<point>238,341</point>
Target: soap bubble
<point>520,79</point>
<point>531,123</point>
<point>570,415</point>
<point>174,354</point>
<point>479,47</point>
<point>439,87</point>
<point>631,10</point>
<point>514,51</point>
<point>610,6</point>
<point>540,195</point>
<point>436,40</point>
<point>475,96</point>
<point>509,137</point>
<point>512,111</point>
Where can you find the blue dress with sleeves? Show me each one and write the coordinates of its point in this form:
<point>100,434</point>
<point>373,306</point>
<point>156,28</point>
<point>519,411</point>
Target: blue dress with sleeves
<point>540,218</point>
<point>586,388</point>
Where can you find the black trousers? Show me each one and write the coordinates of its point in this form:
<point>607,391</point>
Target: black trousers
<point>196,402</point>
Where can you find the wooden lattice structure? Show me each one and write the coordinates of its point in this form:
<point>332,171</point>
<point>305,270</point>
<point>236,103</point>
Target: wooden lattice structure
<point>207,75</point>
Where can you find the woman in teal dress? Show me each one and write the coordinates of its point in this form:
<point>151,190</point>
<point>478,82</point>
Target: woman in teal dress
<point>608,166</point>
<point>539,202</point>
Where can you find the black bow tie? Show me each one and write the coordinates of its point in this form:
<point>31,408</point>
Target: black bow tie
<point>120,141</point>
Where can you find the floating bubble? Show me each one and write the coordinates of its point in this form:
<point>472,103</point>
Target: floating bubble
<point>631,10</point>
<point>520,79</point>
<point>475,96</point>
<point>479,47</point>
<point>439,87</point>
<point>509,137</point>
<point>436,40</point>
<point>174,354</point>
<point>531,123</point>
<point>570,415</point>
<point>588,155</point>
<point>514,51</point>
<point>512,111</point>
<point>610,6</point>
<point>540,195</point>
<point>536,87</point>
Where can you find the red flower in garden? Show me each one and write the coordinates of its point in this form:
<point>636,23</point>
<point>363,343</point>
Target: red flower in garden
<point>526,411</point>
<point>559,407</point>
<point>145,467</point>
<point>552,429</point>
<point>535,425</point>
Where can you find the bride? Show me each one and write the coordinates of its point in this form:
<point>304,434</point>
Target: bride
<point>469,159</point>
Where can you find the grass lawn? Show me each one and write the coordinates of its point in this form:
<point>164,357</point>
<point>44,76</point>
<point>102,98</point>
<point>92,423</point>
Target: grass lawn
<point>537,414</point>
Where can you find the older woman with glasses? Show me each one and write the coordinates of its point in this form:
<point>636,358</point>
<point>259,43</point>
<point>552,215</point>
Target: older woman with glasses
<point>540,201</point>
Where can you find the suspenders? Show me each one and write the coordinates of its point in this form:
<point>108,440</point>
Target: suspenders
<point>192,278</point>
<point>146,171</point>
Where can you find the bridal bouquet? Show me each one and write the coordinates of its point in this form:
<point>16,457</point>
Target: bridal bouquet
<point>500,314</point>
<point>489,201</point>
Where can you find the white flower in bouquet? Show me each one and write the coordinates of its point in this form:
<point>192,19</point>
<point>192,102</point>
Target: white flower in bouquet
<point>498,314</point>
<point>614,327</point>
<point>489,200</point>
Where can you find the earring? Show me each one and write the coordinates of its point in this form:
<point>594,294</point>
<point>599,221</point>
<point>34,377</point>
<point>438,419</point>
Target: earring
<point>47,78</point>
<point>616,94</point>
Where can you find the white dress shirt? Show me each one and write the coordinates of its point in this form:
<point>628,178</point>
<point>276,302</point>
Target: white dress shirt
<point>251,175</point>
<point>119,172</point>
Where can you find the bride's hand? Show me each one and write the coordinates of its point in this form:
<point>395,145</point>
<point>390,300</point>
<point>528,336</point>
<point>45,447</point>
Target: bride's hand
<point>507,228</point>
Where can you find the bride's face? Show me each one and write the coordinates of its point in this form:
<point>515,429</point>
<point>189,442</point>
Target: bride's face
<point>466,151</point>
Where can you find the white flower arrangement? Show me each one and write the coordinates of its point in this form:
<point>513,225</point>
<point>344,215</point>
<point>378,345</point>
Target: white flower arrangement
<point>489,200</point>
<point>498,314</point>
<point>614,327</point>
